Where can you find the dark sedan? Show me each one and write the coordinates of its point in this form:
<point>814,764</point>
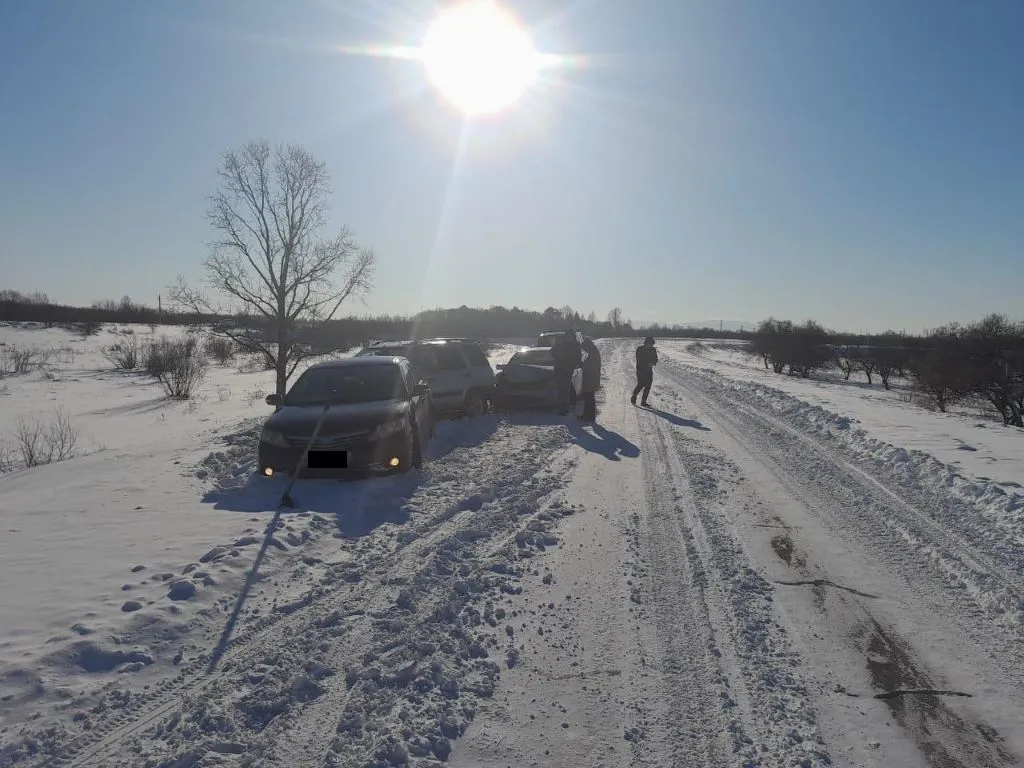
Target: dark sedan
<point>378,419</point>
<point>528,381</point>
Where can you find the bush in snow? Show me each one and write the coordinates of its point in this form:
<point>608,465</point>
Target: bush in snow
<point>18,359</point>
<point>221,349</point>
<point>6,457</point>
<point>40,444</point>
<point>180,365</point>
<point>89,328</point>
<point>159,356</point>
<point>124,355</point>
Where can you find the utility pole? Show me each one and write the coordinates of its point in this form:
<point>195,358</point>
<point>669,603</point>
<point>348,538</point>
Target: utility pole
<point>159,305</point>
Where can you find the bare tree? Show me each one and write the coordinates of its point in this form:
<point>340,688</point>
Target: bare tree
<point>941,376</point>
<point>867,364</point>
<point>269,259</point>
<point>615,318</point>
<point>885,368</point>
<point>996,354</point>
<point>764,343</point>
<point>846,364</point>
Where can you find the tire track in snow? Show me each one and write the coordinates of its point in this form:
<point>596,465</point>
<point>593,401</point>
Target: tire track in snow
<point>508,475</point>
<point>730,672</point>
<point>873,510</point>
<point>823,483</point>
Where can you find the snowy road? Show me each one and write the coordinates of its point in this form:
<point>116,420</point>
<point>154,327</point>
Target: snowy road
<point>709,582</point>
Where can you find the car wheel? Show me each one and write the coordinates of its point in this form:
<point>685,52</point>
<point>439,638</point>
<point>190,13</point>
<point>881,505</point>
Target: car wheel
<point>475,404</point>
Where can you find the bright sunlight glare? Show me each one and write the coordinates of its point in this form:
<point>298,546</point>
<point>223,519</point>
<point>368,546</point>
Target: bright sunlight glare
<point>479,58</point>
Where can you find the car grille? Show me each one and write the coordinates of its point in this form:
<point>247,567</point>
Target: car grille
<point>330,442</point>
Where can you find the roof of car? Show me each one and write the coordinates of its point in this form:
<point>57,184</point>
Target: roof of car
<point>409,343</point>
<point>347,362</point>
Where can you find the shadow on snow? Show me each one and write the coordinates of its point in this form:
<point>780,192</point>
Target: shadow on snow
<point>679,421</point>
<point>598,439</point>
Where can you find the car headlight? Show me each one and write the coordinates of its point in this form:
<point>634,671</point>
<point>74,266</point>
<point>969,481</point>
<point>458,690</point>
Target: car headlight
<point>272,437</point>
<point>387,429</point>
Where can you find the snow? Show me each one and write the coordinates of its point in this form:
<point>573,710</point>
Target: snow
<point>974,443</point>
<point>728,578</point>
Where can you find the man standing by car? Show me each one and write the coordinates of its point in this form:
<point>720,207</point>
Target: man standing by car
<point>591,380</point>
<point>646,359</point>
<point>568,356</point>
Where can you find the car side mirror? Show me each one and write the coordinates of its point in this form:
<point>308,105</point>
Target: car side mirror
<point>274,399</point>
<point>421,389</point>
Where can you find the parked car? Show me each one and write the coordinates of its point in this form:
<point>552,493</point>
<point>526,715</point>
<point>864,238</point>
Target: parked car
<point>459,374</point>
<point>548,338</point>
<point>528,381</point>
<point>379,418</point>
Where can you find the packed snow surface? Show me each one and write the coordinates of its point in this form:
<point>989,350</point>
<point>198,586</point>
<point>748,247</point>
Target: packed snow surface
<point>754,571</point>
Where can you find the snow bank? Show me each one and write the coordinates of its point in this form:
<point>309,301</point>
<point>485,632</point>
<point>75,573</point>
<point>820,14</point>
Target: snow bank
<point>999,512</point>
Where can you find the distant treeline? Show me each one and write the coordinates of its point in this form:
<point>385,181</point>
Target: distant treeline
<point>490,323</point>
<point>982,360</point>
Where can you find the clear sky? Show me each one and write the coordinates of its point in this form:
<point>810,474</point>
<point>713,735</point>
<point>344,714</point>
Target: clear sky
<point>856,162</point>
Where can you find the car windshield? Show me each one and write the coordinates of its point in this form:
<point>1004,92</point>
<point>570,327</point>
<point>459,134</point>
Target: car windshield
<point>347,384</point>
<point>533,357</point>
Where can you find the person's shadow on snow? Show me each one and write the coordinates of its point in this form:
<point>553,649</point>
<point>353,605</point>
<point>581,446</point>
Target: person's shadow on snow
<point>597,439</point>
<point>679,421</point>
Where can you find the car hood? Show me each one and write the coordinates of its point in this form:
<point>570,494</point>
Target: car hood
<point>348,418</point>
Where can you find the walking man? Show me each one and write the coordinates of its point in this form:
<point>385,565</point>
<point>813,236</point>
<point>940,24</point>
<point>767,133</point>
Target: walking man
<point>591,380</point>
<point>568,356</point>
<point>646,359</point>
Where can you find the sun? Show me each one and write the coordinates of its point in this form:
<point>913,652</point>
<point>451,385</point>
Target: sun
<point>479,57</point>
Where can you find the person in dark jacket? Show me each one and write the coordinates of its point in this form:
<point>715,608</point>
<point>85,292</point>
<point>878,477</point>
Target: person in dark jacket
<point>568,357</point>
<point>591,380</point>
<point>646,359</point>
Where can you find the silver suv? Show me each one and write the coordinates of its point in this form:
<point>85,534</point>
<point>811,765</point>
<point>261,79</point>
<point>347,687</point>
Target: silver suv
<point>458,372</point>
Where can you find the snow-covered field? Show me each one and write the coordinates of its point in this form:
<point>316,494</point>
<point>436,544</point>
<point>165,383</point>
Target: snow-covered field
<point>758,571</point>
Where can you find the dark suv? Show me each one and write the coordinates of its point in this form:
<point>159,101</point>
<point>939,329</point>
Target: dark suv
<point>459,374</point>
<point>378,417</point>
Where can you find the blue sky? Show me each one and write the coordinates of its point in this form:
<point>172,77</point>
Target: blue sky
<point>860,163</point>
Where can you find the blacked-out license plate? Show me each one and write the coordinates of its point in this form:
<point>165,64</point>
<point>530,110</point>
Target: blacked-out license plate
<point>328,460</point>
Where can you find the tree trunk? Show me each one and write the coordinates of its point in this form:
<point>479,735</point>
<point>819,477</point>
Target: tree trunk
<point>282,375</point>
<point>281,362</point>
